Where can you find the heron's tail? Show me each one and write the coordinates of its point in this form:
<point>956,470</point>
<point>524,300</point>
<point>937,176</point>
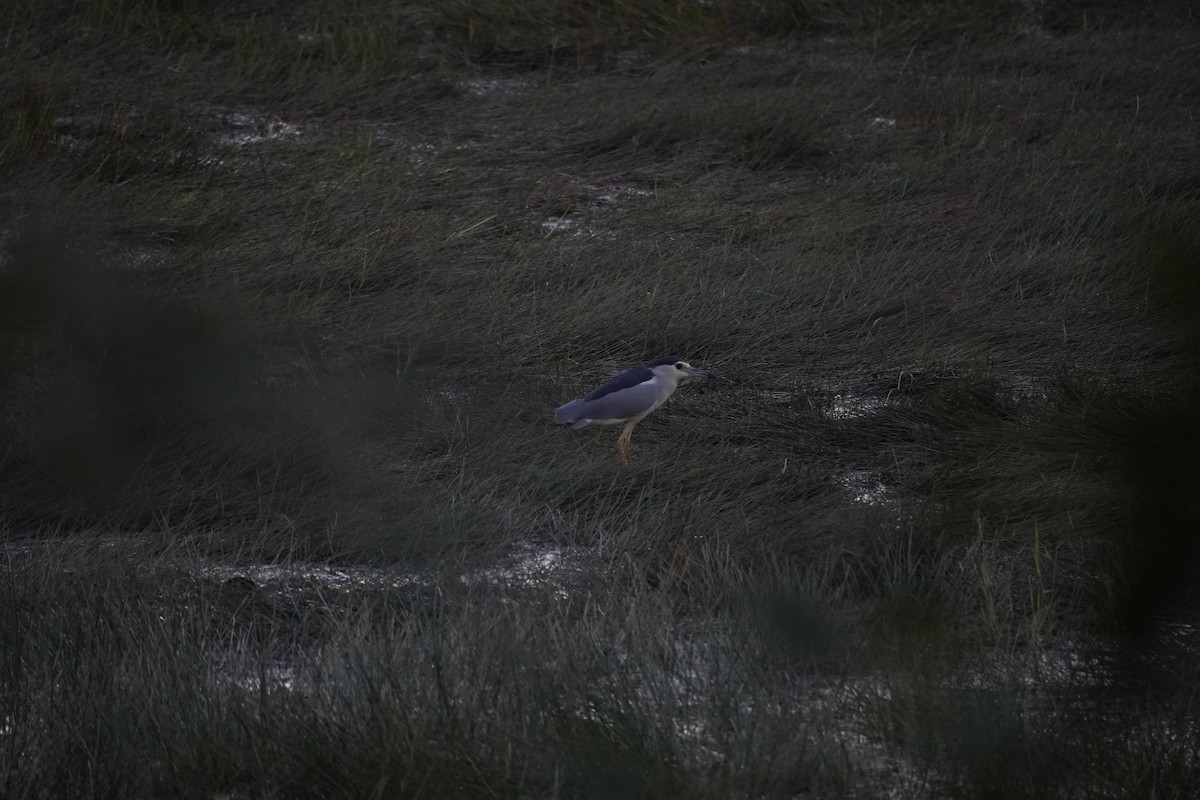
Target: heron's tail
<point>568,414</point>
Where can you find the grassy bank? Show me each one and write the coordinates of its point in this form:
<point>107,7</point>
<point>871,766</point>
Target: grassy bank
<point>125,679</point>
<point>302,286</point>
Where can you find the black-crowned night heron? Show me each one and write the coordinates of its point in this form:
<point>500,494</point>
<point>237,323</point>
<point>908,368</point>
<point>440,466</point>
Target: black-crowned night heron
<point>627,398</point>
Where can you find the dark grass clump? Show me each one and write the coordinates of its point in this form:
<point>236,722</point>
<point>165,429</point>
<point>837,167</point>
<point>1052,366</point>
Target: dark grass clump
<point>131,408</point>
<point>766,130</point>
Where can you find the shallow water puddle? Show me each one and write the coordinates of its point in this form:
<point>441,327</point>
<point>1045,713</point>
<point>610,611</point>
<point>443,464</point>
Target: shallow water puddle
<point>535,566</point>
<point>561,224</point>
<point>1029,389</point>
<point>835,405</point>
<point>275,676</point>
<point>863,486</point>
<point>599,198</point>
<point>529,566</point>
<point>292,576</point>
<point>852,406</point>
<point>484,85</point>
<point>251,126</point>
<point>68,134</point>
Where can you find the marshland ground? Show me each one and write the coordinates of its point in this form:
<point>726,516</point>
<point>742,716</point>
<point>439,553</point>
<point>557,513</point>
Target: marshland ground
<point>289,291</point>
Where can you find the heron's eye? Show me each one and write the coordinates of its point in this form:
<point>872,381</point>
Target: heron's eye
<point>679,365</point>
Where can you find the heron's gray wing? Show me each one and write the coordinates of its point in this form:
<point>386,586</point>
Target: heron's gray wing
<point>623,403</point>
<point>626,380</point>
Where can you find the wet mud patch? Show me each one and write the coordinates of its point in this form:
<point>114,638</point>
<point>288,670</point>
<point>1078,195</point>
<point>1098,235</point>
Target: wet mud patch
<point>132,143</point>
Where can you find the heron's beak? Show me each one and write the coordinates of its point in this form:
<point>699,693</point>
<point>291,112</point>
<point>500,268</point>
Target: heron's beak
<point>698,371</point>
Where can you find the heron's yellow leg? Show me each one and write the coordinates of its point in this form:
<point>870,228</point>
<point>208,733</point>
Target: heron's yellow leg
<point>625,442</point>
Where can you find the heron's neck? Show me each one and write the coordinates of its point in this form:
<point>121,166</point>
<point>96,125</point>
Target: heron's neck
<point>668,378</point>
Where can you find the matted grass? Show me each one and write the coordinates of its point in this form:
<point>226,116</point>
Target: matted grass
<point>304,286</point>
